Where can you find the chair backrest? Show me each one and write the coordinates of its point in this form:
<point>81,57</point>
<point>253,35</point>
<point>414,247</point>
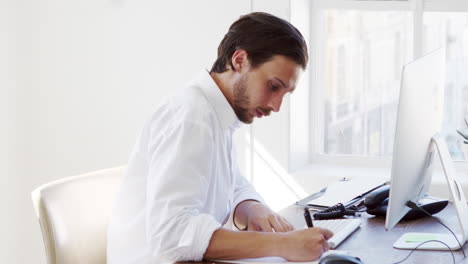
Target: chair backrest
<point>74,213</point>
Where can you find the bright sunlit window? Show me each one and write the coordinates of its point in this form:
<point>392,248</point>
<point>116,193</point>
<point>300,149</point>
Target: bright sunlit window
<point>360,48</point>
<point>451,29</point>
<point>364,53</point>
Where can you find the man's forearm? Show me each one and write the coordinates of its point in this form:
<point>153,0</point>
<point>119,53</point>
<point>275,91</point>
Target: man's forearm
<point>227,244</point>
<point>299,245</point>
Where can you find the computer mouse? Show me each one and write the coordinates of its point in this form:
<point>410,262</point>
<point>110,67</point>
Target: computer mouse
<point>335,258</point>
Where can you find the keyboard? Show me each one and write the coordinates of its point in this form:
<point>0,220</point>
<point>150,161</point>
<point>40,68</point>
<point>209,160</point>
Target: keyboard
<point>341,229</point>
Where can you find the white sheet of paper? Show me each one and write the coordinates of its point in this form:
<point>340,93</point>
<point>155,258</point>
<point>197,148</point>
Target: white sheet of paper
<point>265,260</point>
<point>344,191</point>
<point>271,260</point>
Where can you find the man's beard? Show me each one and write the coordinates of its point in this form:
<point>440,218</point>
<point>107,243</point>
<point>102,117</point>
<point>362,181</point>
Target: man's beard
<point>241,101</point>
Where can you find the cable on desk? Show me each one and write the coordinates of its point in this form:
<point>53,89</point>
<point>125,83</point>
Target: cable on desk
<point>412,251</point>
<point>336,211</point>
<point>413,205</point>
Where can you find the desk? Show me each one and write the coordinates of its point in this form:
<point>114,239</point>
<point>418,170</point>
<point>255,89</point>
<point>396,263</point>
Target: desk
<point>374,245</point>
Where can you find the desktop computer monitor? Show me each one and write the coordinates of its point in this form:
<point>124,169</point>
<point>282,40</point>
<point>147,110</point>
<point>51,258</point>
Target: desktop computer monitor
<point>419,118</point>
<point>419,122</point>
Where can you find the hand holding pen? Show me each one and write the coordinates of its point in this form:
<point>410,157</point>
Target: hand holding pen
<point>306,244</point>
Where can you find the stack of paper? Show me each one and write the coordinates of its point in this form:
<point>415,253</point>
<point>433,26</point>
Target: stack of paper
<point>344,191</point>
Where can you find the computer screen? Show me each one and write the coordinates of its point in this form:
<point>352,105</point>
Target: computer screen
<point>419,118</point>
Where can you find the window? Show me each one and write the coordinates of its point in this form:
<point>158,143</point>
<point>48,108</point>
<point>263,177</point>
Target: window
<point>358,108</point>
<point>451,29</point>
<point>359,50</point>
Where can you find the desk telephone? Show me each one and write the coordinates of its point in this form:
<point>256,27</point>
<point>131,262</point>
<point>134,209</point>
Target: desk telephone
<point>376,203</point>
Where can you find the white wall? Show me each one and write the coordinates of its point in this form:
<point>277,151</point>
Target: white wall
<point>9,181</point>
<point>79,80</point>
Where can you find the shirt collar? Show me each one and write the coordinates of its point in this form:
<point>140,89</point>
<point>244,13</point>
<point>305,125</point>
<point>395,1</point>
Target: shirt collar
<point>226,115</point>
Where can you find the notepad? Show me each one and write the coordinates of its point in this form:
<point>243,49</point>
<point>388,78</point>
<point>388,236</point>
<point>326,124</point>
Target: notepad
<point>420,237</point>
<point>265,260</point>
<point>271,260</point>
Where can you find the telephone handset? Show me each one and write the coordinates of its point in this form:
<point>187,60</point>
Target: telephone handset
<point>376,203</point>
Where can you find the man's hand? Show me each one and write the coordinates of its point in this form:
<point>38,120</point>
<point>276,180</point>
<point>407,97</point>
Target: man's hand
<point>258,217</point>
<point>306,244</point>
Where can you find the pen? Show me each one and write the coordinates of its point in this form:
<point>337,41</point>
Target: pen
<point>307,217</point>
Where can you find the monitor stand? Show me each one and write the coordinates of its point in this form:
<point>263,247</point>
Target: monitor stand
<point>414,240</point>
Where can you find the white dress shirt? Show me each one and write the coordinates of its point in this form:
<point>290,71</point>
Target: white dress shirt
<point>182,183</point>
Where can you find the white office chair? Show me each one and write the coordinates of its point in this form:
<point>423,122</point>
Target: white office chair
<point>74,213</point>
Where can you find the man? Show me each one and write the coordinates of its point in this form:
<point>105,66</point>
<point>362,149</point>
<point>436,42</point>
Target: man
<point>183,182</point>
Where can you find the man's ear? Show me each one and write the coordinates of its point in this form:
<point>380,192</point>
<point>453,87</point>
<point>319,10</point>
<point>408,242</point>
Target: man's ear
<point>240,60</point>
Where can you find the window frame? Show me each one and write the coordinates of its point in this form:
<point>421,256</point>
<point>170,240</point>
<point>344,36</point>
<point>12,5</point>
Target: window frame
<point>418,8</point>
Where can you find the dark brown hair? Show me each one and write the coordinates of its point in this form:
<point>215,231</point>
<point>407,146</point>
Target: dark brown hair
<point>263,36</point>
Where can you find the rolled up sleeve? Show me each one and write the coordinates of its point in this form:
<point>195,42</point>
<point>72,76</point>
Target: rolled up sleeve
<point>177,190</point>
<point>245,191</point>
